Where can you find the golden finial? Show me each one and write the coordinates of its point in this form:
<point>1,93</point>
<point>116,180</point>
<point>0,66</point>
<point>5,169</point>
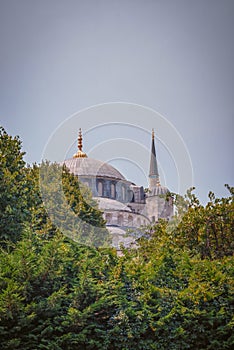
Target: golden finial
<point>153,133</point>
<point>80,153</point>
<point>80,140</point>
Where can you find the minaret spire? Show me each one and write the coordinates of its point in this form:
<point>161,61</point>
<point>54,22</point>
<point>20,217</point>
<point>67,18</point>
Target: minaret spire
<point>80,153</point>
<point>153,172</point>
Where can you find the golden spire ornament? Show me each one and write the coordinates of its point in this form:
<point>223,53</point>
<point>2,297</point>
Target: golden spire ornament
<point>80,153</point>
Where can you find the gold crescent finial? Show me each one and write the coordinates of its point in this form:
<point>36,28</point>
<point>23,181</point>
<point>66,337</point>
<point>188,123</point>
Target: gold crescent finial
<point>80,153</point>
<point>153,133</point>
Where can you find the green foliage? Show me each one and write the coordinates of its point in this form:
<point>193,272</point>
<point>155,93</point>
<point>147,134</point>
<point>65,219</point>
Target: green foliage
<point>207,230</point>
<point>13,188</point>
<point>55,294</point>
<point>46,198</point>
<point>50,291</point>
<point>175,291</point>
<point>59,202</point>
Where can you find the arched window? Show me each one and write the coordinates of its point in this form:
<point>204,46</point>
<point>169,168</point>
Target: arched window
<point>123,193</point>
<point>120,220</point>
<point>108,218</point>
<point>112,190</point>
<point>130,220</point>
<point>100,188</point>
<point>138,222</point>
<point>153,218</point>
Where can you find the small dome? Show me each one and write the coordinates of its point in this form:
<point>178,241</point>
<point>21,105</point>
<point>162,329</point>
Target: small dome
<point>110,204</point>
<point>158,191</point>
<point>92,167</point>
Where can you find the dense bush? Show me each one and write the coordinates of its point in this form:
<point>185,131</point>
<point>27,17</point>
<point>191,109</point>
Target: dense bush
<point>56,294</point>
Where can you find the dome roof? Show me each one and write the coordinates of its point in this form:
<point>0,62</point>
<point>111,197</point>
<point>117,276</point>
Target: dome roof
<point>111,204</point>
<point>158,191</point>
<point>92,167</point>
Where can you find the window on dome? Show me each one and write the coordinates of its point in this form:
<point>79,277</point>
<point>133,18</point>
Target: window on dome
<point>100,188</point>
<point>123,193</point>
<point>108,218</point>
<point>130,220</point>
<point>112,190</point>
<point>138,222</point>
<point>120,220</point>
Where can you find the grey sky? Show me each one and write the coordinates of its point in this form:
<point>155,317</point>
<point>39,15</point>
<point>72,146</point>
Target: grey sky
<point>175,56</point>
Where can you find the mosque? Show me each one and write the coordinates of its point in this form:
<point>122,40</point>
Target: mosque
<point>124,204</point>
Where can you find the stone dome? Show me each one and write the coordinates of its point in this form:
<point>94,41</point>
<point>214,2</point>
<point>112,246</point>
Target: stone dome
<point>158,191</point>
<point>92,167</point>
<point>111,204</point>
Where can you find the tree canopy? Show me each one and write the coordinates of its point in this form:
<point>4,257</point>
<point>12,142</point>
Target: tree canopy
<point>13,188</point>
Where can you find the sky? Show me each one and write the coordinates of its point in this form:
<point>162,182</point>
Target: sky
<point>95,64</point>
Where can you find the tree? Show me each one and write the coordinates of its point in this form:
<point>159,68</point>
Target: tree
<point>207,230</point>
<point>69,206</point>
<point>46,198</point>
<point>13,188</point>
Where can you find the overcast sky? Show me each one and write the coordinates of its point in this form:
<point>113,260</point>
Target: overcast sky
<point>173,56</point>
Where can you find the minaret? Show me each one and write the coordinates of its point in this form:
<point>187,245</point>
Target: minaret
<point>80,153</point>
<point>153,173</point>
